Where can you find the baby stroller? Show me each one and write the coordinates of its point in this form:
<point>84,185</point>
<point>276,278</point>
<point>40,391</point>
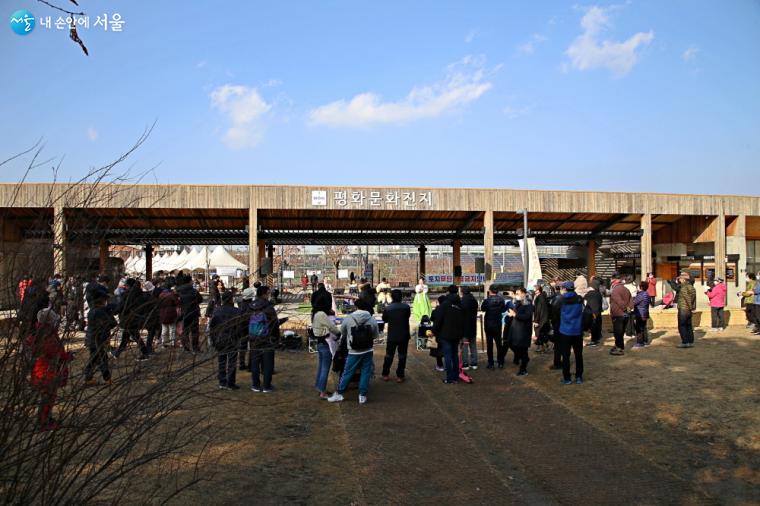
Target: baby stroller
<point>422,337</point>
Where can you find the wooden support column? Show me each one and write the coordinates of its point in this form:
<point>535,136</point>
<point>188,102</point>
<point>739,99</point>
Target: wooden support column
<point>253,245</point>
<point>59,241</point>
<point>646,245</point>
<point>457,258</point>
<point>720,246</point>
<point>591,254</point>
<point>103,250</point>
<point>148,261</point>
<point>736,244</point>
<point>422,249</point>
<point>488,248</point>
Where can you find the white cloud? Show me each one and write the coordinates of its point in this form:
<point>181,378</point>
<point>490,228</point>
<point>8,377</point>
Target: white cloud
<point>691,53</point>
<point>471,35</point>
<point>529,47</point>
<point>464,83</point>
<point>516,112</point>
<point>244,108</point>
<point>201,64</point>
<point>92,134</point>
<point>588,52</point>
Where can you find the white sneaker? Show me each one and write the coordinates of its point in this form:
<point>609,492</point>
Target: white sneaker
<point>335,397</point>
<point>474,367</point>
<point>362,399</point>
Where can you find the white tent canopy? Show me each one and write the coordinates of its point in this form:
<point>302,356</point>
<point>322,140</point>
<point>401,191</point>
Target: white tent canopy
<point>199,261</point>
<point>188,259</point>
<point>222,258</point>
<point>193,260</point>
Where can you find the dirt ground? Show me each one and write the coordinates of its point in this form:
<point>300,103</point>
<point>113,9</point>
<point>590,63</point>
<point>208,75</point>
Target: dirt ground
<point>659,425</point>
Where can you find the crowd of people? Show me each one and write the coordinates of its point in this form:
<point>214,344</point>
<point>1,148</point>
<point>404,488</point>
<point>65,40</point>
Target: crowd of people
<point>244,328</point>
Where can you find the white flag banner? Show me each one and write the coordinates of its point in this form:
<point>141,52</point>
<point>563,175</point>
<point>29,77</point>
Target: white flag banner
<point>534,265</point>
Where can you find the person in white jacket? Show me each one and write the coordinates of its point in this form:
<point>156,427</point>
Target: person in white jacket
<point>323,328</point>
<point>383,292</point>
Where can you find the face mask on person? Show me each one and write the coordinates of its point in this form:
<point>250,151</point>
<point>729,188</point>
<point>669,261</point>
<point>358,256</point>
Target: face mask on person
<point>519,297</point>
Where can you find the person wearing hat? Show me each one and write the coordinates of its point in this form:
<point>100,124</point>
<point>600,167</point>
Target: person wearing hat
<point>168,302</point>
<point>97,338</point>
<point>687,304</point>
<point>49,371</point>
<point>245,309</point>
<point>228,328</point>
<point>621,304</point>
<point>567,313</point>
<point>149,308</point>
<point>717,296</point>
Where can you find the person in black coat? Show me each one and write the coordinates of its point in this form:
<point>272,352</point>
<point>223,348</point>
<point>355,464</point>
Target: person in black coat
<point>541,319</point>
<point>494,307</point>
<point>100,322</point>
<point>470,342</point>
<point>131,319</point>
<point>368,295</point>
<point>152,321</point>
<point>593,300</point>
<point>189,300</point>
<point>228,326</point>
<point>449,329</point>
<point>396,317</point>
<point>521,330</point>
<point>36,298</point>
<point>435,315</point>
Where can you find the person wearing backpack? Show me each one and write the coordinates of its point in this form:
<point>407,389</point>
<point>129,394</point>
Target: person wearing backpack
<point>567,313</point>
<point>358,332</point>
<point>449,329</point>
<point>227,329</point>
<point>263,335</point>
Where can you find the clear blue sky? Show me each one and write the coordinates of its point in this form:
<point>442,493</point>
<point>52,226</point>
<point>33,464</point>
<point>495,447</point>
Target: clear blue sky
<point>632,96</point>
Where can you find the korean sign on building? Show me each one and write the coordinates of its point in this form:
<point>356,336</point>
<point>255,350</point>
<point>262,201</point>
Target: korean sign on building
<point>372,199</point>
<point>448,279</point>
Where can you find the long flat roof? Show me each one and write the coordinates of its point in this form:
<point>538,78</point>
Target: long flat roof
<point>356,197</point>
<point>218,214</point>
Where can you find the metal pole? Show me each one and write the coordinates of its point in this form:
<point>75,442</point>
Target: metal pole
<point>526,262</point>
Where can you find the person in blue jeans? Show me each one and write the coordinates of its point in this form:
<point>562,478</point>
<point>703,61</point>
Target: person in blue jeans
<point>323,326</point>
<point>359,356</point>
<point>448,327</point>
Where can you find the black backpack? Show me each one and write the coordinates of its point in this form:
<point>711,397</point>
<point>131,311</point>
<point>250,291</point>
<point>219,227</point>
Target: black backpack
<point>588,318</point>
<point>361,337</point>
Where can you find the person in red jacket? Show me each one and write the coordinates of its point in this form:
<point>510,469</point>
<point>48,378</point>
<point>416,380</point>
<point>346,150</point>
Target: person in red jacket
<point>651,288</point>
<point>49,370</point>
<point>717,296</point>
<point>25,283</point>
